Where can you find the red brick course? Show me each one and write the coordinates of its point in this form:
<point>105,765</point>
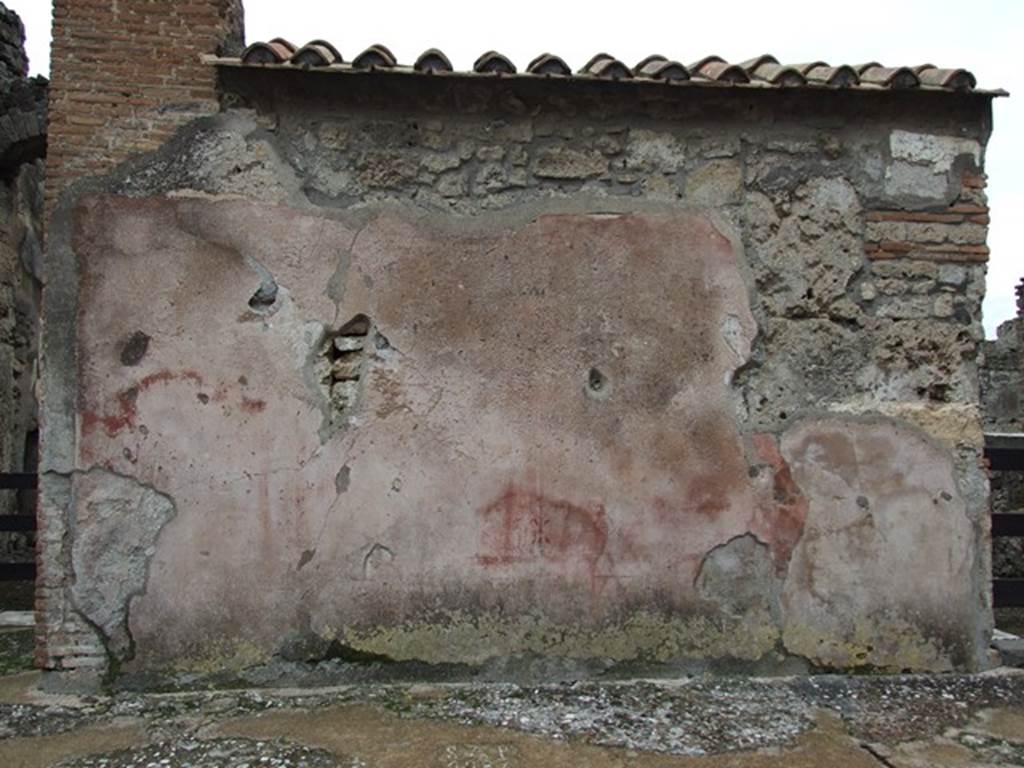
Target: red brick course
<point>934,235</point>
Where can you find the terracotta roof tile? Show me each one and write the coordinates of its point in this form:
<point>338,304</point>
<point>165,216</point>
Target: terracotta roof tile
<point>266,53</point>
<point>316,53</point>
<point>767,68</point>
<point>761,72</point>
<point>606,66</point>
<point>548,64</point>
<point>718,69</point>
<point>820,72</point>
<point>375,57</point>
<point>890,77</point>
<point>954,79</point>
<point>432,60</point>
<point>659,68</point>
<point>494,63</point>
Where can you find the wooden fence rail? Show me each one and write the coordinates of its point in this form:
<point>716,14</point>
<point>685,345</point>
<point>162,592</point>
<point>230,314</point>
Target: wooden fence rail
<point>21,481</point>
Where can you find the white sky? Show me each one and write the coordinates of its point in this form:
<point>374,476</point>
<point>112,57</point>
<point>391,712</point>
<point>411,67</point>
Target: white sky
<point>985,36</point>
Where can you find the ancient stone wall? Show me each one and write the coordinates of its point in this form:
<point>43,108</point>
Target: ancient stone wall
<point>22,146</point>
<point>1003,382</point>
<point>1003,402</point>
<point>518,379</point>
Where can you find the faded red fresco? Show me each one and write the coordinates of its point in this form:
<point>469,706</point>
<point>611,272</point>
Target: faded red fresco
<point>122,412</point>
<point>524,526</point>
<point>780,518</point>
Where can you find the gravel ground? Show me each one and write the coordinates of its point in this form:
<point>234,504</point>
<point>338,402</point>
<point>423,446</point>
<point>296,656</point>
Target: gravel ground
<point>28,720</point>
<point>700,717</point>
<point>216,753</point>
<point>692,717</point>
<point>993,751</point>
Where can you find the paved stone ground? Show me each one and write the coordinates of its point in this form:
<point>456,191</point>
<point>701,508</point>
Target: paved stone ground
<point>830,721</point>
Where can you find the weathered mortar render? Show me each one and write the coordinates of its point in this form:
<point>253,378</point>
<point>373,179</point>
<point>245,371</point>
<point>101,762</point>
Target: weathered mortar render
<point>510,376</point>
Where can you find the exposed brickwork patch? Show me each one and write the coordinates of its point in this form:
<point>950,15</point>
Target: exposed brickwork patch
<point>125,75</point>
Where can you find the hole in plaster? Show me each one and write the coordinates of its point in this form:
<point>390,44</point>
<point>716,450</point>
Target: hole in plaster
<point>341,480</point>
<point>305,557</point>
<point>377,557</point>
<point>265,295</point>
<point>598,386</point>
<point>357,326</point>
<point>134,349</point>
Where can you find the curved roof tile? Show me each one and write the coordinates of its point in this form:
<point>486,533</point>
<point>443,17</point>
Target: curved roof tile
<point>375,57</point>
<point>890,77</point>
<point>767,69</point>
<point>494,63</point>
<point>285,43</point>
<point>548,64</point>
<point>659,68</point>
<point>821,73</point>
<point>606,66</point>
<point>718,69</point>
<point>953,79</point>
<point>266,53</point>
<point>316,53</point>
<point>432,60</point>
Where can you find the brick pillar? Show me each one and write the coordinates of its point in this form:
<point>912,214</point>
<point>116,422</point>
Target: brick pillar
<point>125,74</point>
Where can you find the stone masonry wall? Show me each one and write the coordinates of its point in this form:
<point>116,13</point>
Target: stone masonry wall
<point>1003,383</point>
<point>125,74</point>
<point>523,380</point>
<point>22,145</point>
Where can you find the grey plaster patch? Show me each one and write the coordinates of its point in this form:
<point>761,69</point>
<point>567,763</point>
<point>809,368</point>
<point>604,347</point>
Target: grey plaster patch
<point>885,514</point>
<point>227,154</point>
<point>930,150</point>
<point>923,163</point>
<point>739,577</point>
<point>117,521</point>
<point>716,183</point>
